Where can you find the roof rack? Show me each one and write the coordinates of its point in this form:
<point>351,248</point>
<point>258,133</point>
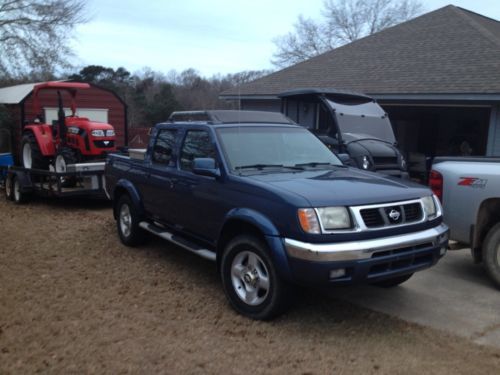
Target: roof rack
<point>230,116</point>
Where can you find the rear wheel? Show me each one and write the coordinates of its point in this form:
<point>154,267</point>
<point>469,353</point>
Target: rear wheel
<point>127,222</point>
<point>491,254</point>
<point>250,280</point>
<point>31,156</point>
<point>18,195</point>
<point>9,190</point>
<point>395,281</point>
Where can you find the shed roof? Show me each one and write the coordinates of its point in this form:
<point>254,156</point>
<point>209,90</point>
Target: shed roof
<point>15,94</point>
<point>448,51</point>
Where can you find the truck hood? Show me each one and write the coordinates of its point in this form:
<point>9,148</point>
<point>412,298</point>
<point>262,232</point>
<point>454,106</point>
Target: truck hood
<point>364,144</point>
<point>343,187</point>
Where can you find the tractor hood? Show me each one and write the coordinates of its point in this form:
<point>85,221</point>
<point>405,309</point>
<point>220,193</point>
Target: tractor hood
<point>85,123</point>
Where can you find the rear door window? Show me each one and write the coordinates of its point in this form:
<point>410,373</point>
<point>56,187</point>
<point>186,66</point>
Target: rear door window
<point>162,150</point>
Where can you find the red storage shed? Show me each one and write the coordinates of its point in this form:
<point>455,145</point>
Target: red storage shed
<point>97,103</point>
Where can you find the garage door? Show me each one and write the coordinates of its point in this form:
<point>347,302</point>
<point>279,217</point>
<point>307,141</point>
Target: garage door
<point>94,114</point>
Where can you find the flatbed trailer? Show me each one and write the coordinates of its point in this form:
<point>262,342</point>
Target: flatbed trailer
<point>82,179</point>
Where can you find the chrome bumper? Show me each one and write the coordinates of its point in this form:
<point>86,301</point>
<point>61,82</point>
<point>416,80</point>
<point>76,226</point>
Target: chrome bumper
<point>345,251</point>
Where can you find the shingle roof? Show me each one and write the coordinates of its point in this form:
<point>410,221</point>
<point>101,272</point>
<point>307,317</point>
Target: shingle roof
<point>450,50</point>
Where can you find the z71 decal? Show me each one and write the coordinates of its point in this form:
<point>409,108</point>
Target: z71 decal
<point>473,182</point>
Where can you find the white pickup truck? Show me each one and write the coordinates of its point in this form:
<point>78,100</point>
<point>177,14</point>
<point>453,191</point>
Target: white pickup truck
<point>469,189</point>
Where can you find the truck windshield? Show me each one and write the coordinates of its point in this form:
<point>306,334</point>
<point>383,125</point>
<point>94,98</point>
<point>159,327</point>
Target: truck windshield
<point>364,120</point>
<point>273,146</point>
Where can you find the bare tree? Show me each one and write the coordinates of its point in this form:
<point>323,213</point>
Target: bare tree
<point>34,35</point>
<point>343,21</point>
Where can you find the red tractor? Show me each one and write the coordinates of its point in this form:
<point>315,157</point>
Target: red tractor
<point>68,140</point>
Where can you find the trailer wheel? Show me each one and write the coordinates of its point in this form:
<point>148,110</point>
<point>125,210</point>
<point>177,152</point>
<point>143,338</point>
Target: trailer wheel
<point>9,191</point>
<point>491,254</point>
<point>18,195</point>
<point>31,156</point>
<point>127,222</point>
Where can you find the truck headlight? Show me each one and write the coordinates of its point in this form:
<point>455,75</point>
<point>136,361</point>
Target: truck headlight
<point>326,218</point>
<point>403,163</point>
<point>97,133</point>
<point>431,207</point>
<point>110,133</point>
<point>365,162</point>
<point>334,218</point>
<point>308,220</point>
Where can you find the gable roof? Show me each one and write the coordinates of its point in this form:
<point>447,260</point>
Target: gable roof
<point>450,50</point>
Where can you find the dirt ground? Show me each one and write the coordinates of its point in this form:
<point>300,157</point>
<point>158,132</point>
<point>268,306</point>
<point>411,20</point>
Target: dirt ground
<point>74,300</point>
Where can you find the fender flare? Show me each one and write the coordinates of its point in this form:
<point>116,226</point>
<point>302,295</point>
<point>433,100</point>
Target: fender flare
<point>270,234</point>
<point>43,136</point>
<point>132,192</point>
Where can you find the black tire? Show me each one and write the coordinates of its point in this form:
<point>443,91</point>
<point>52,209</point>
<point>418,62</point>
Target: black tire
<point>18,195</point>
<point>395,281</point>
<point>64,157</point>
<point>130,233</point>
<point>267,302</point>
<point>491,254</point>
<point>38,161</point>
<point>9,191</point>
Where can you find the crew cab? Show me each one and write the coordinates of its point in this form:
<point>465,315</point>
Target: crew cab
<point>269,203</point>
<point>469,188</point>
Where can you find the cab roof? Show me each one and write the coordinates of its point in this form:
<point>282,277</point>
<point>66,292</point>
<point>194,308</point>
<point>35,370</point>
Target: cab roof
<point>229,117</point>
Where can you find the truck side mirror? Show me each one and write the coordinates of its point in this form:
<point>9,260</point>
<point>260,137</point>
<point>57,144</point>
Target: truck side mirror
<point>205,167</point>
<point>344,158</point>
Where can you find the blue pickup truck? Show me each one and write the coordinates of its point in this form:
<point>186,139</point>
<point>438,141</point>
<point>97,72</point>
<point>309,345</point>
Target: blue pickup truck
<point>269,203</point>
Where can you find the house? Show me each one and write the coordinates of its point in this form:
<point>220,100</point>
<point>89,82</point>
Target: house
<point>437,76</point>
<point>97,103</point>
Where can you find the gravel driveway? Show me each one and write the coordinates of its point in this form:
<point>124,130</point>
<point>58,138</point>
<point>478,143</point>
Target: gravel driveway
<point>73,299</point>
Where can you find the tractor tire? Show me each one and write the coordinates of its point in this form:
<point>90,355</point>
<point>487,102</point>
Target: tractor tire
<point>491,254</point>
<point>64,157</point>
<point>31,157</point>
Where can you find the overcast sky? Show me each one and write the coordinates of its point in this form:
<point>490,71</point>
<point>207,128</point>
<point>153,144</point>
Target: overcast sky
<point>215,36</point>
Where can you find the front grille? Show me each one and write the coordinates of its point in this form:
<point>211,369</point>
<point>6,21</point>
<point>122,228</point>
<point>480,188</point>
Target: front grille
<point>385,160</point>
<point>372,217</point>
<point>413,212</point>
<point>102,144</point>
<point>392,215</point>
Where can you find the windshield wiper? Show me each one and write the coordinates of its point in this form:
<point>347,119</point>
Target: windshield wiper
<point>317,164</point>
<point>263,166</point>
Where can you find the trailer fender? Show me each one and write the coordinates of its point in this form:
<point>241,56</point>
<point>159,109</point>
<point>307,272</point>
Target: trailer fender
<point>126,187</point>
<point>24,180</point>
<point>43,136</point>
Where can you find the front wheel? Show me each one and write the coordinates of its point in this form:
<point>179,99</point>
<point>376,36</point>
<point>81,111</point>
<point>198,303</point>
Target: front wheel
<point>395,281</point>
<point>127,222</point>
<point>250,281</point>
<point>491,254</point>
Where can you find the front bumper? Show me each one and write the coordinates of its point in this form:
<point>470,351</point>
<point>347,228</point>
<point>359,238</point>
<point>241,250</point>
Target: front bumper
<point>368,260</point>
